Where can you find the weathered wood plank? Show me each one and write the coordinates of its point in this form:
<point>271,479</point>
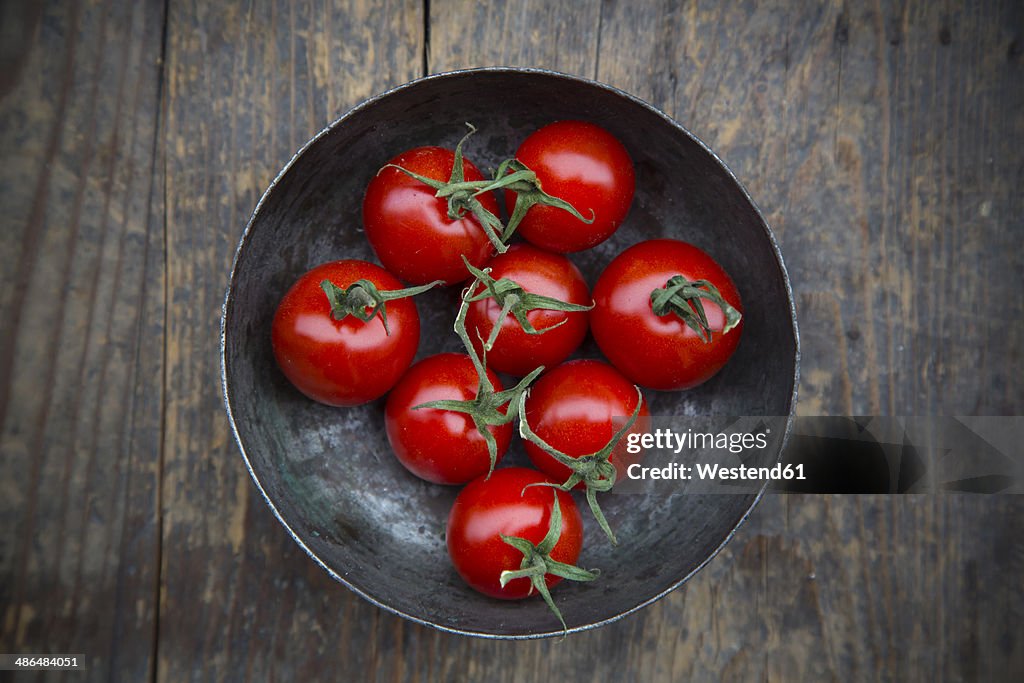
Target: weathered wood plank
<point>876,155</point>
<point>247,84</point>
<point>81,360</point>
<point>882,143</point>
<point>554,35</point>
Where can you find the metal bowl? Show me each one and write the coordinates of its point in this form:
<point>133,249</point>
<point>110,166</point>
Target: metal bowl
<point>329,474</point>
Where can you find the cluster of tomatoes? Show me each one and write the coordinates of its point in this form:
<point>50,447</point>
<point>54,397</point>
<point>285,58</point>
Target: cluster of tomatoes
<point>664,313</point>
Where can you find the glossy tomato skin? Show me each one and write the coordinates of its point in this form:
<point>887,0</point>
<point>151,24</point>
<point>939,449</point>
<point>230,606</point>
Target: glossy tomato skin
<point>573,408</point>
<point>343,362</point>
<point>408,227</point>
<point>537,272</point>
<point>440,446</point>
<point>661,352</point>
<point>586,166</point>
<point>487,508</point>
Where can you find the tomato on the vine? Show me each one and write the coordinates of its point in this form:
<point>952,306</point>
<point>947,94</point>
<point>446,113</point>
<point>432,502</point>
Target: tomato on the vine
<point>328,352</point>
<point>409,227</point>
<point>585,165</point>
<point>577,407</point>
<point>441,446</point>
<point>541,273</point>
<point>507,505</point>
<point>666,314</point>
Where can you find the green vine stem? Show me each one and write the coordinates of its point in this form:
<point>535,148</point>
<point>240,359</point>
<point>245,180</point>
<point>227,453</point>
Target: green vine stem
<point>364,301</point>
<point>682,298</point>
<point>595,470</point>
<point>537,562</point>
<point>512,175</point>
<point>462,195</point>
<point>515,301</point>
<point>485,408</point>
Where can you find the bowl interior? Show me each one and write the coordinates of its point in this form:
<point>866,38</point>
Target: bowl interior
<point>329,473</point>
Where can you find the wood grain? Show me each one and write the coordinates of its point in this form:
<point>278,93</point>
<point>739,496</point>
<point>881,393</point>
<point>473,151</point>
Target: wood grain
<point>875,141</point>
<point>247,85</point>
<point>81,357</point>
<point>882,141</point>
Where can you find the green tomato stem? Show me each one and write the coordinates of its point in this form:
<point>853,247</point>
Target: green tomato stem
<point>486,408</point>
<point>594,469</point>
<point>682,298</point>
<point>517,302</point>
<point>512,175</point>
<point>462,194</point>
<point>537,562</point>
<point>364,301</point>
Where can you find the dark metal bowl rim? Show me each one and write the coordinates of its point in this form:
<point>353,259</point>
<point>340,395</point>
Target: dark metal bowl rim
<point>227,396</point>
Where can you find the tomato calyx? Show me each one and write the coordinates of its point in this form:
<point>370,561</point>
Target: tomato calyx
<point>511,175</point>
<point>517,302</point>
<point>537,562</point>
<point>514,176</point>
<point>485,409</point>
<point>364,301</point>
<point>682,297</point>
<point>594,469</point>
<point>462,195</point>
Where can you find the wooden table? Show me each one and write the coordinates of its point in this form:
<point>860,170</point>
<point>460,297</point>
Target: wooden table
<point>882,140</point>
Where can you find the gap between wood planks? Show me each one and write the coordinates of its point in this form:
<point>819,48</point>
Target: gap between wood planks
<point>161,121</point>
<point>426,38</point>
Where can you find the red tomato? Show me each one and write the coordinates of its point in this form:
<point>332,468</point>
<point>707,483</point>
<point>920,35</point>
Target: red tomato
<point>409,228</point>
<point>537,272</point>
<point>586,166</point>
<point>572,408</point>
<point>441,446</point>
<point>488,508</point>
<point>661,351</point>
<point>343,362</point>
